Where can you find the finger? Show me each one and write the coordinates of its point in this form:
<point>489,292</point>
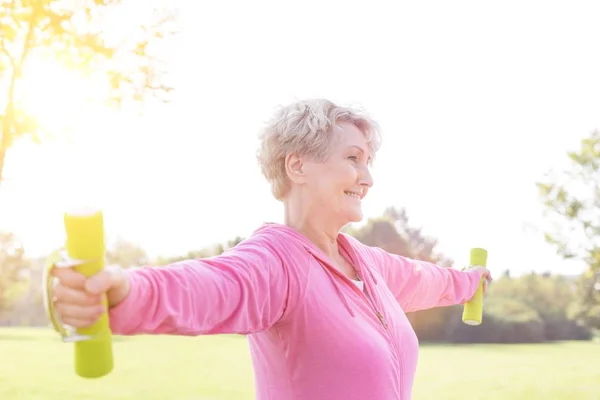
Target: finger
<point>101,282</point>
<point>109,278</point>
<point>70,311</point>
<point>485,273</point>
<point>72,296</point>
<point>69,277</point>
<point>79,322</point>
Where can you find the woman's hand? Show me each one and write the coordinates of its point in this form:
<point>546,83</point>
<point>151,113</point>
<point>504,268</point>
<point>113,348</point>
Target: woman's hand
<point>483,273</point>
<point>77,298</point>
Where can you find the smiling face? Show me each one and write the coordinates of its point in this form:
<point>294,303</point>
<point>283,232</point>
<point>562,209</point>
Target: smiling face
<point>335,187</point>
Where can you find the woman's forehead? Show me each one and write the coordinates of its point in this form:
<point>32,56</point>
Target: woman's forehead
<point>348,134</point>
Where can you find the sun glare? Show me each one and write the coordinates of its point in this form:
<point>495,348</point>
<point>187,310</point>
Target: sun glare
<point>67,104</point>
<point>57,97</point>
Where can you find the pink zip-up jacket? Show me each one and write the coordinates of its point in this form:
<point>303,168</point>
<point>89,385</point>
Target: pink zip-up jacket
<point>313,334</point>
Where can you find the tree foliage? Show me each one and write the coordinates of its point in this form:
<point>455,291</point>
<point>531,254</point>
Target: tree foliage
<point>90,36</point>
<point>392,232</point>
<point>572,206</point>
<point>13,271</point>
<point>126,254</point>
<point>528,308</point>
<point>506,320</point>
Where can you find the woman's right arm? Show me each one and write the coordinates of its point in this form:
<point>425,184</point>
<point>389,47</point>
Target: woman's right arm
<point>244,290</point>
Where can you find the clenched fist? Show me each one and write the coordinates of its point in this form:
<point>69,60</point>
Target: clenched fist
<point>77,298</point>
<point>485,274</point>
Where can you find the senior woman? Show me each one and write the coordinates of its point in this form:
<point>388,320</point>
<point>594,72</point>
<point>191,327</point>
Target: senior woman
<point>324,313</point>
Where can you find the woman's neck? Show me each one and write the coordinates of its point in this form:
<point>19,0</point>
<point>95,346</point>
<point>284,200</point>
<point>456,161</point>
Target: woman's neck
<point>314,227</point>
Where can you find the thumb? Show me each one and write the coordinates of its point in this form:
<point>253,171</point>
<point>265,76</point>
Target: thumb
<point>107,279</point>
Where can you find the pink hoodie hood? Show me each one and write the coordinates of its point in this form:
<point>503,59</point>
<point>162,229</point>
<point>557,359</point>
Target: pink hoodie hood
<point>313,334</point>
<point>331,271</point>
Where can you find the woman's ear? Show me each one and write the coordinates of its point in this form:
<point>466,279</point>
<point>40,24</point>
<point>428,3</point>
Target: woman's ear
<point>293,168</point>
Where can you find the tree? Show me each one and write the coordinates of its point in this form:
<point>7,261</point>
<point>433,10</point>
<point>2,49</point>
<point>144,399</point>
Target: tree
<point>13,271</point>
<point>206,252</point>
<point>126,254</point>
<point>586,308</point>
<point>84,36</point>
<point>28,307</point>
<point>550,296</point>
<point>572,204</point>
<point>233,242</point>
<point>393,233</point>
<point>572,201</point>
<point>506,320</point>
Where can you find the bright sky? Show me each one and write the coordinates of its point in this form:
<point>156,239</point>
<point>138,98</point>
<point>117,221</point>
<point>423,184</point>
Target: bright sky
<point>477,101</point>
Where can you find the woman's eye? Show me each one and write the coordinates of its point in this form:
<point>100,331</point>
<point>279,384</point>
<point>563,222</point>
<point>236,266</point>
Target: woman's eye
<point>353,158</point>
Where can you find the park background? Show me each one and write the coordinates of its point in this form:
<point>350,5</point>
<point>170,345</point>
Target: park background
<point>150,110</point>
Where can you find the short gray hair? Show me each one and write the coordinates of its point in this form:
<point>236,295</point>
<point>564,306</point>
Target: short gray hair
<point>307,127</point>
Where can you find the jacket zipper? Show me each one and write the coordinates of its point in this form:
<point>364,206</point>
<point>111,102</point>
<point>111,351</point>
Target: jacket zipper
<point>382,319</point>
<point>371,301</point>
<point>368,299</point>
<point>385,325</point>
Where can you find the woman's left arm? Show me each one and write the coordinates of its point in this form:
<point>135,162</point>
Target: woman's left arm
<point>420,285</point>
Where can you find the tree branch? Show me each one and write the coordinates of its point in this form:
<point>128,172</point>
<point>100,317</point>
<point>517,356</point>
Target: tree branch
<point>8,119</point>
<point>7,32</point>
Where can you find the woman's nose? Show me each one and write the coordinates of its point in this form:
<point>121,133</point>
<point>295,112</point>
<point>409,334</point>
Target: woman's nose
<point>365,178</point>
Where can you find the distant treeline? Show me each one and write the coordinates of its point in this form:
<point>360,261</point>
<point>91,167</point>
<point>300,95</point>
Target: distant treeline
<point>529,308</point>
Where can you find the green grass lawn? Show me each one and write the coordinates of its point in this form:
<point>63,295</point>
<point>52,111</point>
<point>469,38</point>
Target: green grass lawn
<point>36,365</point>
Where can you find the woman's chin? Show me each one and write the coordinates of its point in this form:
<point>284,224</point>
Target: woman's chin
<point>354,216</point>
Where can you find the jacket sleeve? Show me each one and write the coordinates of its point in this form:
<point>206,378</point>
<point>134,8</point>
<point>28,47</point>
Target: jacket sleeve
<point>243,290</point>
<point>419,285</point>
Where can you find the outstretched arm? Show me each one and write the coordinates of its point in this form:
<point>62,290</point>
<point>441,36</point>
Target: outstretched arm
<point>243,290</point>
<point>420,285</point>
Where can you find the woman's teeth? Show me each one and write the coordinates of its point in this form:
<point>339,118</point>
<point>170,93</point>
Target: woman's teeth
<point>353,194</point>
